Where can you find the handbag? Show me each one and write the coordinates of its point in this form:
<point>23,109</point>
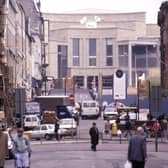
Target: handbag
<point>127,164</point>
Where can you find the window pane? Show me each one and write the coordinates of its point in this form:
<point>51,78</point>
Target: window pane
<point>107,82</point>
<point>92,47</point>
<point>92,61</point>
<point>76,61</point>
<point>75,47</point>
<point>109,61</point>
<point>123,55</point>
<point>79,81</point>
<point>109,52</point>
<point>152,62</point>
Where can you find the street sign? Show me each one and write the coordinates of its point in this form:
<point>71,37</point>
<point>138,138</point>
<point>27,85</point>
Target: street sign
<point>32,108</point>
<point>119,89</point>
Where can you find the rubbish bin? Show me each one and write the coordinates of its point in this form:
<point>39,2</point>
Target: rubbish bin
<point>114,129</point>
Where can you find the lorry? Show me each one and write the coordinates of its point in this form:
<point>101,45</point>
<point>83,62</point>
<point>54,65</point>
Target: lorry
<point>90,109</point>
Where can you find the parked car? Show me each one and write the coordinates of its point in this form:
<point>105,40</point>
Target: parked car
<point>67,127</point>
<point>74,113</point>
<point>110,112</point>
<point>46,131</point>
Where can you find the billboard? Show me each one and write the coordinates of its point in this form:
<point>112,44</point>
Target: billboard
<point>32,108</point>
<point>119,88</point>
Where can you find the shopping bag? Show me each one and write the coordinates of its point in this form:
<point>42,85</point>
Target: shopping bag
<point>127,164</point>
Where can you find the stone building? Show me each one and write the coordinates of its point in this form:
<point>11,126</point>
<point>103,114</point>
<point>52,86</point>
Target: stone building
<point>91,45</point>
<point>20,50</point>
<point>34,21</point>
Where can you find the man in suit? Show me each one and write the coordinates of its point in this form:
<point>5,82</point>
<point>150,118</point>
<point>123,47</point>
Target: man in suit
<point>94,134</point>
<point>137,152</point>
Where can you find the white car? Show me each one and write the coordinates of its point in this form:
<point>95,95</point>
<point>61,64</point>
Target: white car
<point>31,121</point>
<point>67,127</point>
<point>132,116</point>
<point>110,113</point>
<point>46,131</point>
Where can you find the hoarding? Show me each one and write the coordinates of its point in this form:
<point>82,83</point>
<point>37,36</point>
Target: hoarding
<point>119,88</point>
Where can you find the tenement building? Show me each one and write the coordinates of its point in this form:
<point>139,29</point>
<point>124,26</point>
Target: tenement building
<point>91,45</point>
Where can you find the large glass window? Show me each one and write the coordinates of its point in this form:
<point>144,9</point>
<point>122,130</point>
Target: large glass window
<point>92,52</point>
<point>62,61</point>
<point>107,82</point>
<point>76,51</point>
<point>123,55</point>
<point>92,81</point>
<point>109,52</point>
<point>79,81</point>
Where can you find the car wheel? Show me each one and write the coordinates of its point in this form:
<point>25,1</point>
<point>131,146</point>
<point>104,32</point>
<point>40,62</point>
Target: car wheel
<point>47,137</point>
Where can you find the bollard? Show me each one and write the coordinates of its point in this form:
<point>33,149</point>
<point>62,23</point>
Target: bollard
<point>156,142</point>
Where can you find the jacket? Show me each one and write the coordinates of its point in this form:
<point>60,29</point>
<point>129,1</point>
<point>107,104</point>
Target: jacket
<point>137,148</point>
<point>94,134</point>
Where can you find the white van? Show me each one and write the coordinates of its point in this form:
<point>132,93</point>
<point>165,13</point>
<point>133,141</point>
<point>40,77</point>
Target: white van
<point>90,109</point>
<point>31,121</point>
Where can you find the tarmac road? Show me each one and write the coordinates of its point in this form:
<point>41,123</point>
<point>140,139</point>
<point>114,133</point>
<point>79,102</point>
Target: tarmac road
<point>108,155</point>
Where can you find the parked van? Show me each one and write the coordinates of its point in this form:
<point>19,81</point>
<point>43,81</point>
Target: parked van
<point>90,109</point>
<point>31,121</point>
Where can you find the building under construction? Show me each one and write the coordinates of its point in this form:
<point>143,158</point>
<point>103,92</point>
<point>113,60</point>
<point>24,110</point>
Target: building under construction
<point>163,23</point>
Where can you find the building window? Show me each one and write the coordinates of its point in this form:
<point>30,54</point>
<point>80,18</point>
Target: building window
<point>92,52</point>
<point>107,82</point>
<point>79,81</point>
<point>76,51</point>
<point>109,52</point>
<point>92,82</point>
<point>123,55</point>
<point>62,61</point>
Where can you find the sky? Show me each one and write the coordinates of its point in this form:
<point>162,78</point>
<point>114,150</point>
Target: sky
<point>151,7</point>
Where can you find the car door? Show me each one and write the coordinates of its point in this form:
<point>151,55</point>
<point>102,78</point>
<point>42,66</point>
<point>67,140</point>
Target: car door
<point>36,132</point>
<point>43,131</point>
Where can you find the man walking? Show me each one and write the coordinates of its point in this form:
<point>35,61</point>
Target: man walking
<point>128,128</point>
<point>94,134</point>
<point>3,146</point>
<point>22,150</point>
<point>137,153</point>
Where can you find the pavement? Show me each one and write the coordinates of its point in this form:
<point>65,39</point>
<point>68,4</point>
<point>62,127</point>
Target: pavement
<point>78,155</point>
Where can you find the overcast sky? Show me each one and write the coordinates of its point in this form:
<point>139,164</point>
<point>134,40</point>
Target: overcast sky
<point>149,6</point>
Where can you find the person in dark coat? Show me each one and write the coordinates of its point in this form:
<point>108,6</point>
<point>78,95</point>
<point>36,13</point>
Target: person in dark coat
<point>128,128</point>
<point>94,134</point>
<point>137,152</point>
<point>56,130</point>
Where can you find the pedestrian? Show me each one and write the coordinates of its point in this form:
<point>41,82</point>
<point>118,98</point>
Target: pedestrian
<point>145,128</point>
<point>22,150</point>
<point>137,150</point>
<point>156,128</point>
<point>107,127</point>
<point>56,130</point>
<point>3,146</point>
<point>128,128</point>
<point>94,134</point>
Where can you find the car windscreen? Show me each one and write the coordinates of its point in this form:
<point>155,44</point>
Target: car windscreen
<point>66,122</point>
<point>110,109</point>
<point>88,104</point>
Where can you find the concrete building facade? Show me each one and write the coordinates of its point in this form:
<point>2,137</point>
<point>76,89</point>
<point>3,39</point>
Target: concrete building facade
<point>91,45</point>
